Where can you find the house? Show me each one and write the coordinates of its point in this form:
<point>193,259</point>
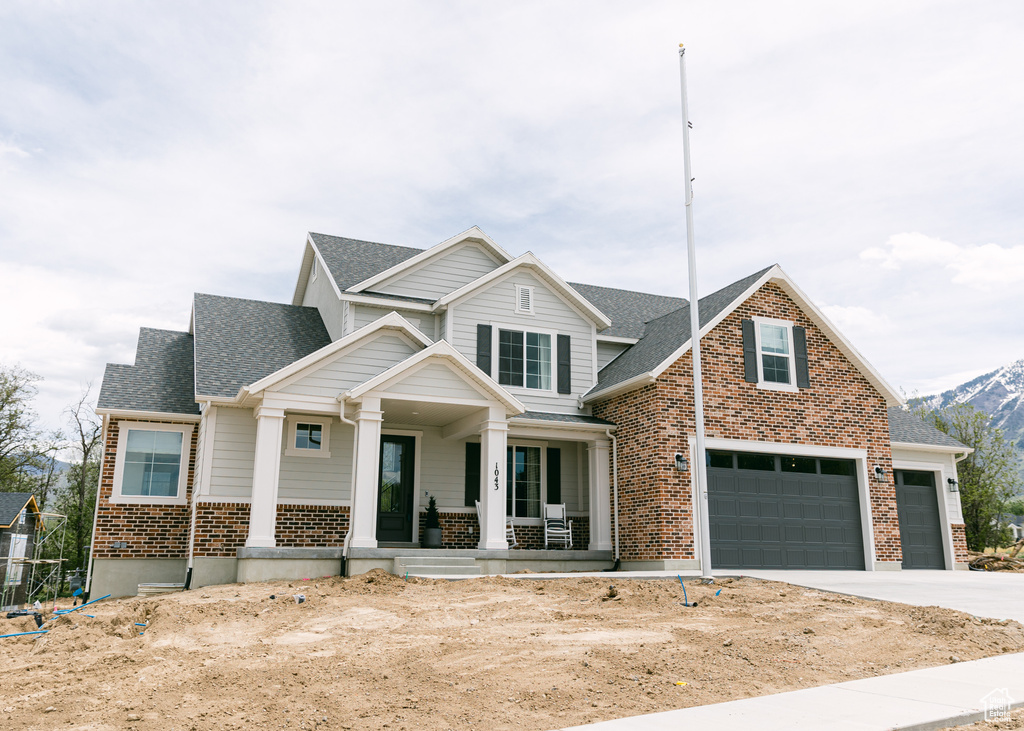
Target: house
<point>272,440</point>
<point>1016,525</point>
<point>19,522</point>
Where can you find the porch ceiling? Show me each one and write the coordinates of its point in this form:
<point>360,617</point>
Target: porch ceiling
<point>421,413</point>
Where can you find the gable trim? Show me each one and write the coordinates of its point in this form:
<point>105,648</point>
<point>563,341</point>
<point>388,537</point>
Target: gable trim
<point>919,447</point>
<point>472,235</point>
<point>777,276</point>
<point>31,501</point>
<point>390,321</point>
<point>443,351</point>
<point>529,261</point>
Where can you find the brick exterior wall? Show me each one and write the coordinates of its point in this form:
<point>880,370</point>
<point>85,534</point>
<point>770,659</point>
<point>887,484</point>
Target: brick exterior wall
<point>840,409</point>
<point>151,531</point>
<point>221,528</point>
<point>462,530</point>
<point>960,543</point>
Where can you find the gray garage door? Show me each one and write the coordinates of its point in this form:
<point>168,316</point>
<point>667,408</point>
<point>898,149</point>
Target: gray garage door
<point>772,511</point>
<point>920,530</point>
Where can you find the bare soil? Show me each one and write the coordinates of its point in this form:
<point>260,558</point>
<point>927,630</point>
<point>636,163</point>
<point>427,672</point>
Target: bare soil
<point>1014,721</point>
<point>377,652</point>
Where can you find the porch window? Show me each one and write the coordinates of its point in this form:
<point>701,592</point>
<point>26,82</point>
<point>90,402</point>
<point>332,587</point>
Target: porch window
<point>523,482</point>
<point>524,359</point>
<point>308,436</point>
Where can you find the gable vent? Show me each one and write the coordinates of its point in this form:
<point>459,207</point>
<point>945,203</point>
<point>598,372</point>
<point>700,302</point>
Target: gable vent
<point>524,299</point>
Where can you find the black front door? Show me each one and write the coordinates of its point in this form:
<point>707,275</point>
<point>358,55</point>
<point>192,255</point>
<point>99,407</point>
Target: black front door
<point>394,499</point>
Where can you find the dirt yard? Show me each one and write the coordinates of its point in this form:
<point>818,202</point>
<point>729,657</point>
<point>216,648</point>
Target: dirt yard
<point>377,652</point>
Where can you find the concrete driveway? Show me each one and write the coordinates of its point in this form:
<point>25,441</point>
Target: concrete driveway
<point>983,594</point>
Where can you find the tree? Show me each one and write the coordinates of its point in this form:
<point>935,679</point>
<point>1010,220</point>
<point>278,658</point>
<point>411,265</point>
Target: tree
<point>21,449</point>
<point>77,498</point>
<point>988,476</point>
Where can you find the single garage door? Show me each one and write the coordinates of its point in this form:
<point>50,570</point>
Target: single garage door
<point>771,511</point>
<point>917,506</point>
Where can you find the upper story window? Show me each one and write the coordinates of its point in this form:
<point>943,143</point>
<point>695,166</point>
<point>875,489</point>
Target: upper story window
<point>152,463</point>
<point>316,266</point>
<point>524,300</point>
<point>524,359</point>
<point>23,516</point>
<point>775,354</point>
<point>308,437</point>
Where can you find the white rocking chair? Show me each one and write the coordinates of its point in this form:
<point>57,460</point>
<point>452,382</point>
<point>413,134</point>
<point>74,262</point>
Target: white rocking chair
<point>557,529</point>
<point>510,531</point>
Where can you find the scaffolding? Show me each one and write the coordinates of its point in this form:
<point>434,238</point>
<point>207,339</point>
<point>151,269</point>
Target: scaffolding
<point>44,576</point>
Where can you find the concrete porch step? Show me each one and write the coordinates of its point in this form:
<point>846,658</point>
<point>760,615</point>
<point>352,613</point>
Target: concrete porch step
<point>436,566</point>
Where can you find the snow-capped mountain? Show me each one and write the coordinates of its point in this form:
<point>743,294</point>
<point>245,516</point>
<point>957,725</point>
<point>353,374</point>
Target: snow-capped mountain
<point>999,394</point>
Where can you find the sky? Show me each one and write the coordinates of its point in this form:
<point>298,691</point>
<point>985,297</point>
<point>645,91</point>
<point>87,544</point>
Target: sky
<point>874,150</point>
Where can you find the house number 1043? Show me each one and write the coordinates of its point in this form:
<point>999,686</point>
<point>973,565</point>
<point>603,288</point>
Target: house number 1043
<point>497,485</point>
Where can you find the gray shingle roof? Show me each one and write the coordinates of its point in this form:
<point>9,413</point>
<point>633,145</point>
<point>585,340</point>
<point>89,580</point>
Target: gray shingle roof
<point>628,310</point>
<point>240,341</point>
<point>351,261</point>
<point>11,505</point>
<point>667,333</point>
<point>564,418</point>
<point>161,380</point>
<point>910,429</point>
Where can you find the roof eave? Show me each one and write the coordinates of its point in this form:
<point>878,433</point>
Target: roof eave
<point>644,379</point>
<point>139,414</point>
<point>962,449</point>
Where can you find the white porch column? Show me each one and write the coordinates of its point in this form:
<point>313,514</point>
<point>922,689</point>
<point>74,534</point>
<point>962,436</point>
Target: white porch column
<point>265,474</point>
<point>366,474</point>
<point>600,495</point>
<point>493,457</point>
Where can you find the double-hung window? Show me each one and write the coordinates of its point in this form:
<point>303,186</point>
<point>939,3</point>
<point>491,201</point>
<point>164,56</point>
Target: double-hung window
<point>152,462</point>
<point>775,354</point>
<point>524,359</point>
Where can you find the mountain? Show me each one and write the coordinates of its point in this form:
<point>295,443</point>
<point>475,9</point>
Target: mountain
<point>1000,394</point>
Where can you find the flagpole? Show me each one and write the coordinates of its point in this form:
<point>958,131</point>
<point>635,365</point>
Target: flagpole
<point>699,470</point>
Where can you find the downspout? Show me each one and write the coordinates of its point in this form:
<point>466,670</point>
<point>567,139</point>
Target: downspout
<point>352,488</point>
<point>615,491</point>
<point>96,509</point>
<point>196,485</point>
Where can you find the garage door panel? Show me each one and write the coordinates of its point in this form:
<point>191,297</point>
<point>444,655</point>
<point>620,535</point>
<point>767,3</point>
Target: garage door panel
<point>801,520</point>
<point>917,508</point>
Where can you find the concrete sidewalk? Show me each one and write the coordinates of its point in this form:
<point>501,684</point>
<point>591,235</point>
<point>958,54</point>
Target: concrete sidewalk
<point>920,700</point>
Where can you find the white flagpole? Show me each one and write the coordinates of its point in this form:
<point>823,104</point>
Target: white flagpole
<point>699,470</point>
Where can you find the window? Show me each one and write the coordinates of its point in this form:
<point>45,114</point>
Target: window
<point>775,354</point>
<point>524,300</point>
<point>23,516</point>
<point>524,359</point>
<point>152,462</point>
<point>16,568</point>
<point>316,266</point>
<point>522,478</point>
<point>308,437</point>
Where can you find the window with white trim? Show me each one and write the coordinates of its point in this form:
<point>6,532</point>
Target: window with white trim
<point>308,437</point>
<point>524,359</point>
<point>152,463</point>
<point>523,482</point>
<point>316,267</point>
<point>775,354</point>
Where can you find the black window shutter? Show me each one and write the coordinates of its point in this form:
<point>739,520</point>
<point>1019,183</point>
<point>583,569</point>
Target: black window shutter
<point>564,364</point>
<point>472,473</point>
<point>803,377</point>
<point>749,352</point>
<point>483,348</point>
<point>554,475</point>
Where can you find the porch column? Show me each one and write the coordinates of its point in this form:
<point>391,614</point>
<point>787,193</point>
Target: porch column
<point>366,474</point>
<point>265,474</point>
<point>600,495</point>
<point>493,457</point>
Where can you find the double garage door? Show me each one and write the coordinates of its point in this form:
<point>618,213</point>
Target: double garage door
<point>772,511</point>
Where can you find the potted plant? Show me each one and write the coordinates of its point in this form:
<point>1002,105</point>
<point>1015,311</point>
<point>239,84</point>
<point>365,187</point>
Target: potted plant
<point>432,530</point>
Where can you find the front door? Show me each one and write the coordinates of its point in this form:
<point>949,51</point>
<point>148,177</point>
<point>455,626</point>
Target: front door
<point>394,499</point>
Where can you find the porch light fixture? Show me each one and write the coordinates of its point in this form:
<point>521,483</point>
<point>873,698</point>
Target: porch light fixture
<point>954,486</point>
<point>879,474</point>
<point>681,463</point>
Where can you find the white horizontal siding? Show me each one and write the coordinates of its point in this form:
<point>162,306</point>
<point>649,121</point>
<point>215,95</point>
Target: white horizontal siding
<point>454,269</point>
<point>442,469</point>
<point>496,305</point>
<point>351,369</point>
<point>363,315</point>
<point>316,478</point>
<point>607,352</point>
<point>435,380</point>
<point>234,450</point>
<point>320,294</point>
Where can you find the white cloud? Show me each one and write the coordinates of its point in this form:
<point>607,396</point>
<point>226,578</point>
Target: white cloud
<point>974,266</point>
<point>855,320</point>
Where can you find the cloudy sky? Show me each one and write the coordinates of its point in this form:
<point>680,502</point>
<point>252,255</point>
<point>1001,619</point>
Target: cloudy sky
<point>873,149</point>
